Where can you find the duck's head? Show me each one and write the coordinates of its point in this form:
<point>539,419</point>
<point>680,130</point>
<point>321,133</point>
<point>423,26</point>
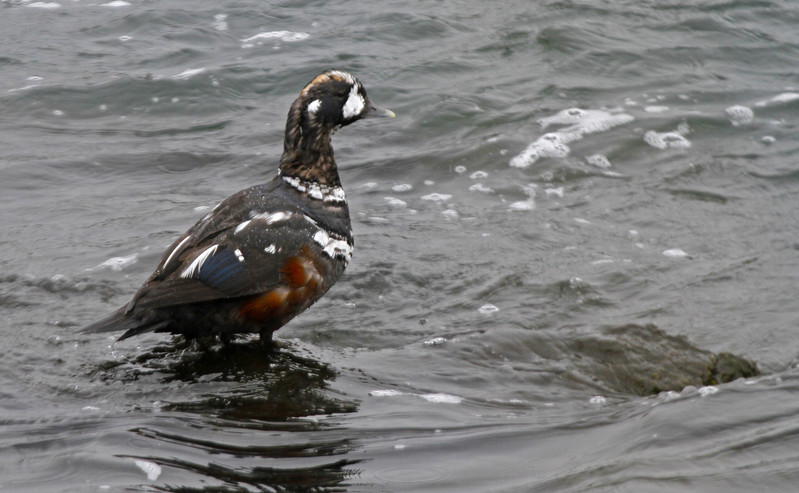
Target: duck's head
<point>335,99</point>
<point>330,101</point>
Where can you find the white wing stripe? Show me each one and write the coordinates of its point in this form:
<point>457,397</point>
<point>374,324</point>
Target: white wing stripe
<point>176,250</point>
<point>198,262</point>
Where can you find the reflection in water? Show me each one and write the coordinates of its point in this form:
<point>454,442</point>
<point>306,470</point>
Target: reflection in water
<point>252,409</point>
<point>324,478</point>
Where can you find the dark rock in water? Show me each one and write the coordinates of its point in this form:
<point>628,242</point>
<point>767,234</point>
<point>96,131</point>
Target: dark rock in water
<point>644,360</point>
<point>728,367</point>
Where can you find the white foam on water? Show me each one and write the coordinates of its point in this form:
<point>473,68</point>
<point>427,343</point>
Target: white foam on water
<point>568,116</point>
<point>674,253</point>
<point>151,469</point>
<point>438,398</point>
<point>581,120</point>
<point>402,187</point>
<point>478,175</point>
<point>437,197</point>
<point>460,169</point>
<point>554,191</point>
<point>442,398</point>
<point>450,214</point>
<point>220,22</point>
<point>656,109</point>
<point>669,395</point>
<point>598,400</point>
<point>436,341</point>
<point>285,36</point>
<point>187,74</point>
<point>119,263</point>
<point>479,187</point>
<point>24,88</point>
<point>525,205</point>
<point>785,97</point>
<point>44,5</point>
<point>116,4</point>
<point>488,309</point>
<point>663,140</point>
<point>598,160</point>
<point>395,202</point>
<point>707,390</point>
<point>522,205</point>
<point>740,115</point>
<point>579,123</point>
<point>386,393</point>
<point>548,145</point>
<point>768,139</point>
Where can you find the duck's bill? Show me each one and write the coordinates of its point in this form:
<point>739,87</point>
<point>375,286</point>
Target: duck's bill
<point>379,113</point>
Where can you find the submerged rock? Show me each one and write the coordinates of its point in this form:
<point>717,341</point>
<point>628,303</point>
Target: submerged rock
<point>728,367</point>
<point>644,360</point>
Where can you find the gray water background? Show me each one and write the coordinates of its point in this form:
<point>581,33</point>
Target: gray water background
<point>666,192</point>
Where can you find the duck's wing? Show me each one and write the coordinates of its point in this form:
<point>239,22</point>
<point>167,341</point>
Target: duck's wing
<point>242,249</point>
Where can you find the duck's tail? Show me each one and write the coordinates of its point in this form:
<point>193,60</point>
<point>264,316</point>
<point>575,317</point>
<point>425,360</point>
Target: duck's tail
<point>120,320</point>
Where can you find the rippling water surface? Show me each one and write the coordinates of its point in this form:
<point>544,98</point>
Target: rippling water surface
<point>574,196</point>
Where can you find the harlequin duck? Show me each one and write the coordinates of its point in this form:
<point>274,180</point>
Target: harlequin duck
<point>266,253</point>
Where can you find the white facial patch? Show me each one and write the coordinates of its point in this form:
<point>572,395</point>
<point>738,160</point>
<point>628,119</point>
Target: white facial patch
<point>314,105</point>
<point>354,105</point>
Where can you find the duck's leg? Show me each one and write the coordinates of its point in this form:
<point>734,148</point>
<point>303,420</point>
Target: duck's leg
<point>225,338</point>
<point>266,338</point>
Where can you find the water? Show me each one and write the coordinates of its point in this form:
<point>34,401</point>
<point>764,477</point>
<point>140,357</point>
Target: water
<point>557,172</point>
